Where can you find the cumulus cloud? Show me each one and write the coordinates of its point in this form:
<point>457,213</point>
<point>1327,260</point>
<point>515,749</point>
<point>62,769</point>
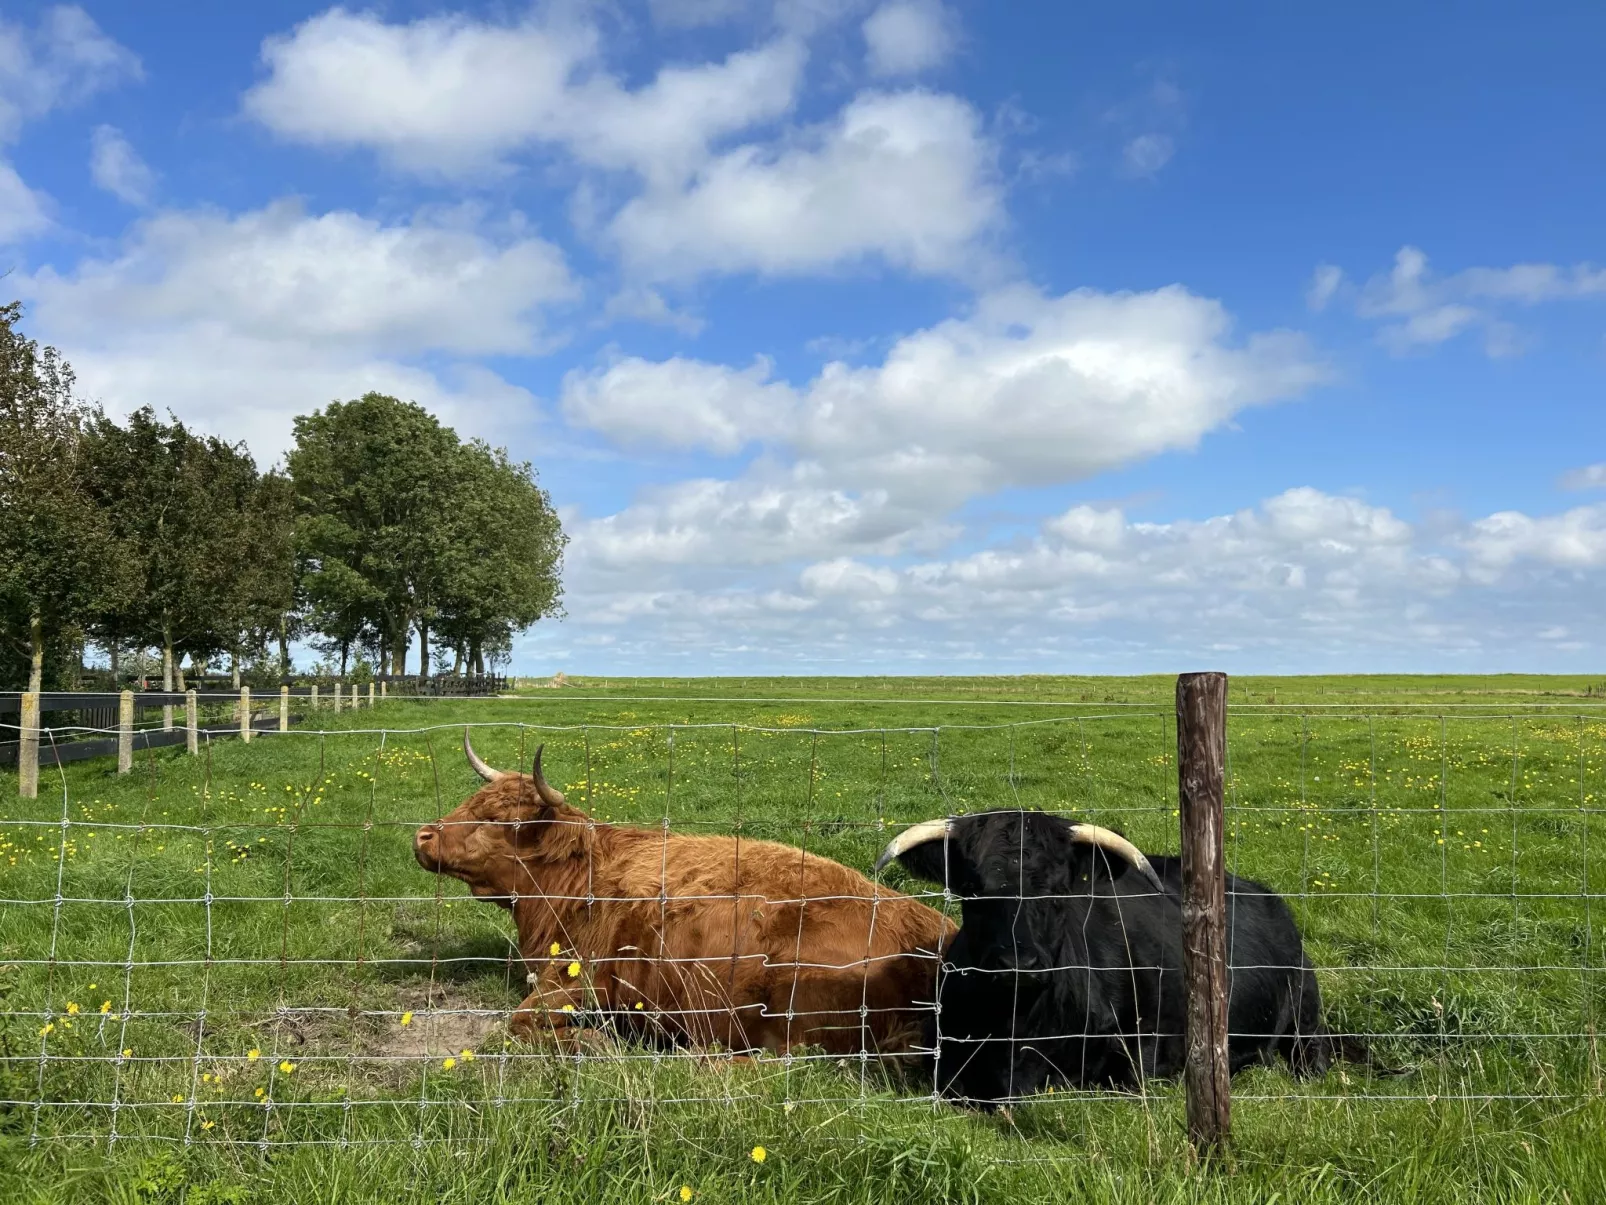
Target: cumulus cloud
<point>62,60</point>
<point>1325,283</point>
<point>116,166</point>
<point>905,178</point>
<point>1590,477</point>
<point>1027,390</point>
<point>1146,154</point>
<point>906,37</point>
<point>1419,309</point>
<point>1304,580</point>
<point>451,94</point>
<point>238,322</point>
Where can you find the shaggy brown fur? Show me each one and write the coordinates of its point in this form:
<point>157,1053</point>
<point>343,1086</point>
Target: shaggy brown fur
<point>748,944</point>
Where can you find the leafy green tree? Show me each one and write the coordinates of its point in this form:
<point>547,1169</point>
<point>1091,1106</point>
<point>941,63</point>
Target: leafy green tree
<point>505,555</point>
<point>183,507</point>
<point>374,486</point>
<point>58,559</point>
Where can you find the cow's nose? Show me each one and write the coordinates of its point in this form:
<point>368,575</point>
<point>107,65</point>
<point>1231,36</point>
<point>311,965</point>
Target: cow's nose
<point>424,838</point>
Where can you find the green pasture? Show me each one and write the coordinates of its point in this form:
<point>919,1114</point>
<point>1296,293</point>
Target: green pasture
<point>225,978</point>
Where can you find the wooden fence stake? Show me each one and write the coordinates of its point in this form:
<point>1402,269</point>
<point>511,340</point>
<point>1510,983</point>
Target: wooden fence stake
<point>28,747</point>
<point>382,687</point>
<point>284,709</point>
<point>1201,761</point>
<point>125,732</point>
<point>192,724</point>
<point>337,698</point>
<point>370,696</point>
<point>313,704</point>
<point>245,714</point>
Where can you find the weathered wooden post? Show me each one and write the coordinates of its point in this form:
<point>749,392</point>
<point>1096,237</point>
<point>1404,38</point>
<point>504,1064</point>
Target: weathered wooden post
<point>337,696</point>
<point>284,709</point>
<point>245,714</point>
<point>313,699</point>
<point>382,689</point>
<point>28,747</point>
<point>125,732</point>
<point>192,724</point>
<point>370,695</point>
<point>1201,762</point>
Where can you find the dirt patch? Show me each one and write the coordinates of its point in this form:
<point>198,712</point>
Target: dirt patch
<point>445,1018</point>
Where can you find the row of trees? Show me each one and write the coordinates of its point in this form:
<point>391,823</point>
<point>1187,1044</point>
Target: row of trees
<point>145,535</point>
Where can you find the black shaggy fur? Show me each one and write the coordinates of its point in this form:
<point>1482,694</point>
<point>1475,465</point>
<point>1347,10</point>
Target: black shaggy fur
<point>1068,967</point>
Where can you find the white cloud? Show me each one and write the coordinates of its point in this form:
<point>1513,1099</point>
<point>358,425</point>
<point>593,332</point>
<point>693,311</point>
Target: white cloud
<point>904,178</point>
<point>23,211</point>
<point>692,14</point>
<point>116,166</point>
<point>1303,581</point>
<point>1028,390</point>
<point>680,404</point>
<point>240,322</point>
<point>1419,309</point>
<point>63,60</point>
<point>1575,540</point>
<point>1325,283</point>
<point>1590,477</point>
<point>1146,154</point>
<point>451,94</point>
<point>906,37</point>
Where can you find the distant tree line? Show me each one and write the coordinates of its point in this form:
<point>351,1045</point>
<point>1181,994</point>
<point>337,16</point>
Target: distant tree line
<point>159,544</point>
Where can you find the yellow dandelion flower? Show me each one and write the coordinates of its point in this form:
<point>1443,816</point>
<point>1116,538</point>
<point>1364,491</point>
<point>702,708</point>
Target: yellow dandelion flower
<point>407,1018</point>
<point>128,1052</point>
<point>640,1005</point>
<point>261,1092</point>
<point>253,1054</point>
<point>93,986</point>
<point>758,1154</point>
<point>568,1008</point>
<point>177,1099</point>
<point>49,1028</point>
<point>686,1193</point>
<point>287,1067</point>
<point>72,1009</point>
<point>554,949</point>
<point>206,1077</point>
<point>207,1125</point>
<point>105,1007</point>
<point>574,970</point>
<point>448,1062</point>
<point>468,1056</point>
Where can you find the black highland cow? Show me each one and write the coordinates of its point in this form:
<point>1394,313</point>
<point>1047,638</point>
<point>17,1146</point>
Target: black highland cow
<point>1067,968</point>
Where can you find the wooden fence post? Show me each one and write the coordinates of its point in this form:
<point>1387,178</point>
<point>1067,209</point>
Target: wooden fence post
<point>370,696</point>
<point>337,696</point>
<point>313,704</point>
<point>1201,762</point>
<point>28,747</point>
<point>192,724</point>
<point>382,689</point>
<point>284,709</point>
<point>125,732</point>
<point>245,714</point>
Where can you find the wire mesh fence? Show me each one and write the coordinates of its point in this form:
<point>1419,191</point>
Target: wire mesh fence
<point>244,947</point>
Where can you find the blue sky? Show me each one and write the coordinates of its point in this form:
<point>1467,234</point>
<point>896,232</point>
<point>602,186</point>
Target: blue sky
<point>897,336</point>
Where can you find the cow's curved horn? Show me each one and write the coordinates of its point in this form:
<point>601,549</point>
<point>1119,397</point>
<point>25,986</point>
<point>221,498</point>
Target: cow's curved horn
<point>1114,843</point>
<point>919,834</point>
<point>548,793</point>
<point>479,767</point>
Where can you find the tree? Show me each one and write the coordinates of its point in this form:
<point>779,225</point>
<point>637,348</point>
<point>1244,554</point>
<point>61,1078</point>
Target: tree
<point>58,559</point>
<point>183,506</point>
<point>373,484</point>
<point>505,555</point>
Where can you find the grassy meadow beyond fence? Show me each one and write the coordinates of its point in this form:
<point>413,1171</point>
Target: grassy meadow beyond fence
<point>224,978</point>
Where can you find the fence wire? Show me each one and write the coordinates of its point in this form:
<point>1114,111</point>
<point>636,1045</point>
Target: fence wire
<point>243,946</point>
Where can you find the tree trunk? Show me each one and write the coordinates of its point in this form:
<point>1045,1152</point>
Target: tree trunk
<point>284,646</point>
<point>423,648</point>
<point>345,653</point>
<point>398,653</point>
<point>457,659</point>
<point>178,672</point>
<point>167,663</point>
<point>36,660</point>
<point>116,650</point>
<point>234,670</point>
<point>476,662</point>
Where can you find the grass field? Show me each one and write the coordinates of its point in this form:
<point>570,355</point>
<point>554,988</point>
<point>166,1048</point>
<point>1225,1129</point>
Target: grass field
<point>233,964</point>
